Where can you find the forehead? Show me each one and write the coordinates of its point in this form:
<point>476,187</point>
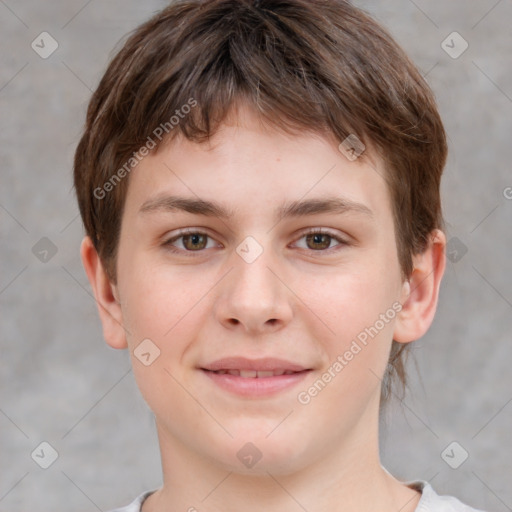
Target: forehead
<point>251,166</point>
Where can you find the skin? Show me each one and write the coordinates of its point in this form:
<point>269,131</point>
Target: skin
<point>301,300</point>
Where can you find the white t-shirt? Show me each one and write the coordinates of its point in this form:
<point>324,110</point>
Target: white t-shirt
<point>430,501</point>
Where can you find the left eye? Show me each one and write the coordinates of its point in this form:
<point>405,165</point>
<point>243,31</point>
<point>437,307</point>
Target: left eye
<point>192,241</point>
<point>321,239</point>
<point>195,241</point>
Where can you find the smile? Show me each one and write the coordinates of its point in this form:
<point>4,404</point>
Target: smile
<point>252,374</point>
<point>255,384</point>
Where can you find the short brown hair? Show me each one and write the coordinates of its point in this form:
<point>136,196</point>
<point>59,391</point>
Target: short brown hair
<point>315,65</point>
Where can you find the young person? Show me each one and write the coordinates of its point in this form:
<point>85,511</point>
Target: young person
<point>259,184</point>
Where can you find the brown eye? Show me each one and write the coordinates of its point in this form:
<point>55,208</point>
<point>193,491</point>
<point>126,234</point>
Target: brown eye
<point>318,241</point>
<point>194,241</point>
<point>188,242</point>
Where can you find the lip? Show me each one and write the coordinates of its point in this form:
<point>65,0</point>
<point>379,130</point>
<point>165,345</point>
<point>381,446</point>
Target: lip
<point>255,387</point>
<point>262,364</point>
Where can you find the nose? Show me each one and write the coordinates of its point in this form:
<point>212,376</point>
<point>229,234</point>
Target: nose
<point>254,296</point>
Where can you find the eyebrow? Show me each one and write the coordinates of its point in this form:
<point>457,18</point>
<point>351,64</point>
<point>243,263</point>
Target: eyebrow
<point>291,209</point>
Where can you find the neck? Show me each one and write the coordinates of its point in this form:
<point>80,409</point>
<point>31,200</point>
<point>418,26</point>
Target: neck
<point>349,478</point>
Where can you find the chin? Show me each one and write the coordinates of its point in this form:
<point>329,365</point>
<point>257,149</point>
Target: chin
<point>256,454</point>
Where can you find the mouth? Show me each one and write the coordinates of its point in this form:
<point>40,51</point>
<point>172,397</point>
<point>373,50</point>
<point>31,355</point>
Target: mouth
<point>256,378</point>
<point>242,365</point>
<point>253,374</point>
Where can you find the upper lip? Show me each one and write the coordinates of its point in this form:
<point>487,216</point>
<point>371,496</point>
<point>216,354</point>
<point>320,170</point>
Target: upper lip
<point>263,364</point>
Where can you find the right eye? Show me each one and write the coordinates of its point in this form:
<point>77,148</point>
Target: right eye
<point>192,241</point>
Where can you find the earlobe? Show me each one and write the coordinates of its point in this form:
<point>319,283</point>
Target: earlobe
<point>420,295</point>
<point>106,295</point>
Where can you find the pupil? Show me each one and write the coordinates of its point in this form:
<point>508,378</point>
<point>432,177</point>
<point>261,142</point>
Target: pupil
<point>194,239</point>
<point>317,239</point>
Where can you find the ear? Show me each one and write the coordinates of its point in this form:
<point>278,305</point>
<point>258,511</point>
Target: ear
<point>420,293</point>
<point>106,296</point>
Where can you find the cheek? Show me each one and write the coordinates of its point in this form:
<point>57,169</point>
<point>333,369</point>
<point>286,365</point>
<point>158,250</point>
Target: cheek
<point>359,307</point>
<point>156,300</point>
<point>349,301</point>
<point>168,308</point>
<point>161,311</point>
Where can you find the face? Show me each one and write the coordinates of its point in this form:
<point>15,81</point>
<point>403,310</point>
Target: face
<point>272,280</point>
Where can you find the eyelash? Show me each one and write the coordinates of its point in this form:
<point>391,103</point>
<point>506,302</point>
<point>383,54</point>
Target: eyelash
<point>168,243</point>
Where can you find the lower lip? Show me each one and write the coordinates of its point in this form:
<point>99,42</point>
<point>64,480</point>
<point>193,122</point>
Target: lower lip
<point>255,386</point>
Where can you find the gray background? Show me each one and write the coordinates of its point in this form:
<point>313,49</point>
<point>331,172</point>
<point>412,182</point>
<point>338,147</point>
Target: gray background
<point>63,385</point>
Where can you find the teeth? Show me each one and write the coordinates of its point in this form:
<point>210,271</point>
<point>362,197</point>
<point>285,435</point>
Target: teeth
<point>266,374</point>
<point>248,373</point>
<point>255,373</point>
